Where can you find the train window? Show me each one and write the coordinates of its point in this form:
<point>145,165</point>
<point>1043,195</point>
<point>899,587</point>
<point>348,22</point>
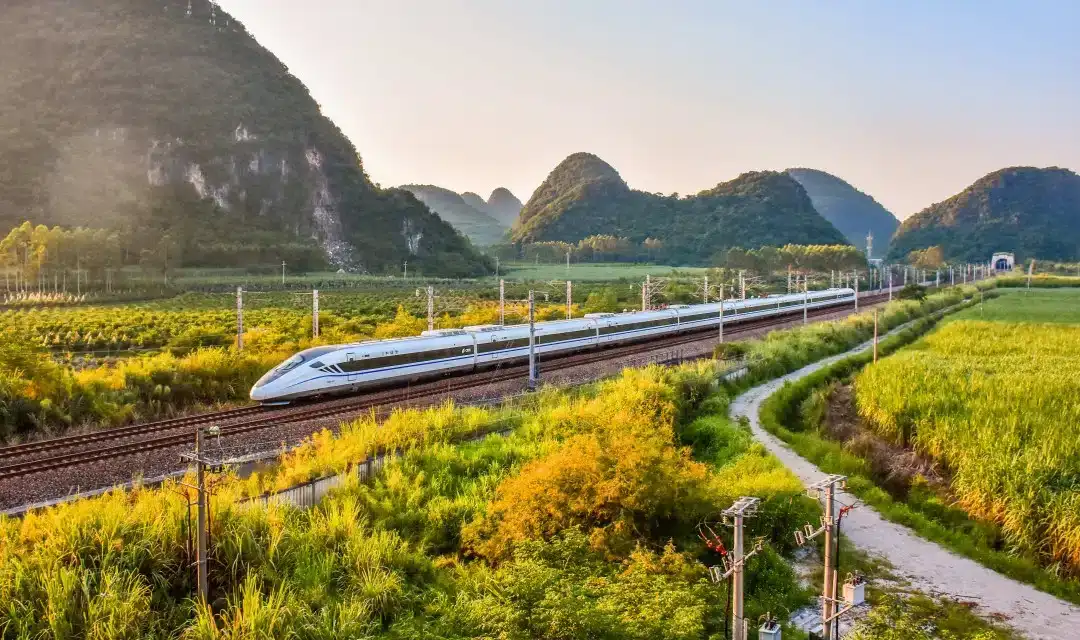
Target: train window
<point>316,365</point>
<point>291,363</point>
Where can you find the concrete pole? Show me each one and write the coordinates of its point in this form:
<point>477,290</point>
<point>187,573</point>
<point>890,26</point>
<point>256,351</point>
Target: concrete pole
<point>742,285</point>
<point>705,288</point>
<point>645,293</point>
<point>830,582</point>
<point>502,301</point>
<point>856,278</point>
<point>875,335</point>
<point>738,578</point>
<point>805,299</point>
<point>721,314</point>
<point>315,313</point>
<point>569,298</point>
<point>430,308</point>
<point>533,378</point>
<point>200,536</point>
<point>239,318</point>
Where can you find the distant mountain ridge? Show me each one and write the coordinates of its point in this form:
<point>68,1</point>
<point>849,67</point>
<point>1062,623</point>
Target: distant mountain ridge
<point>461,211</point>
<point>586,196</point>
<point>1032,212</point>
<point>485,223</point>
<point>851,211</point>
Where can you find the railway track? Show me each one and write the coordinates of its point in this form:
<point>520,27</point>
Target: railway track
<point>70,451</point>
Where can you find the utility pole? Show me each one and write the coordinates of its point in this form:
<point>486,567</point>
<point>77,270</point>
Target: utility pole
<point>875,335</point>
<point>742,285</point>
<point>1031,269</point>
<point>200,480</point>
<point>569,298</point>
<point>937,278</point>
<point>735,515</point>
<point>789,279</point>
<point>282,273</point>
<point>855,277</point>
<point>405,274</point>
<point>202,580</point>
<point>890,284</point>
<point>430,307</point>
<point>239,318</point>
<point>805,298</point>
<point>533,378</point>
<point>721,314</point>
<point>502,301</point>
<point>952,276</point>
<point>645,293</point>
<point>705,290</point>
<point>314,313</point>
<point>828,523</point>
<point>832,278</point>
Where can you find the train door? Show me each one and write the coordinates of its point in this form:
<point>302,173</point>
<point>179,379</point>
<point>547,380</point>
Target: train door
<point>350,359</point>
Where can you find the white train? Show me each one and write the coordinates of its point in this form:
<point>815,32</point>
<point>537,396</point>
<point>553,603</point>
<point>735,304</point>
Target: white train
<point>349,368</point>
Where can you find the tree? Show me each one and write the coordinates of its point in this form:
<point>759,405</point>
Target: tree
<point>928,258</point>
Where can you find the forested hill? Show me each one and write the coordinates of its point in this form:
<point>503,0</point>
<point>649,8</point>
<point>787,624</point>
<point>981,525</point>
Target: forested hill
<point>851,211</point>
<point>1032,212</point>
<point>469,217</point>
<point>165,117</point>
<point>584,196</point>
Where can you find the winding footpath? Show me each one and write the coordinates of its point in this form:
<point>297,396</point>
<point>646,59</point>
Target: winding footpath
<point>928,567</point>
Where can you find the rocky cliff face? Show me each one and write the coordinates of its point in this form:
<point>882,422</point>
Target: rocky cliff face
<point>167,116</point>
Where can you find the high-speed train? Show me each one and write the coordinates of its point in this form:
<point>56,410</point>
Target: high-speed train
<point>347,368</point>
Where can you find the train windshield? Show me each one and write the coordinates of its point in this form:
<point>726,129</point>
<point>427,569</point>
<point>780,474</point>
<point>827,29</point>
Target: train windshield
<point>281,370</point>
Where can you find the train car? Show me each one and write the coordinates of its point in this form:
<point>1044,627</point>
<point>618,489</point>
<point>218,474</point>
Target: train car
<point>349,368</point>
<point>352,367</point>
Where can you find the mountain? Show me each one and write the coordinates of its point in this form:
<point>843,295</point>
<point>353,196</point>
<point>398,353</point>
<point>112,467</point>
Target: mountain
<point>1035,213</point>
<point>504,206</point>
<point>585,196</point>
<point>161,117</point>
<point>851,211</point>
<point>480,227</point>
<point>474,200</point>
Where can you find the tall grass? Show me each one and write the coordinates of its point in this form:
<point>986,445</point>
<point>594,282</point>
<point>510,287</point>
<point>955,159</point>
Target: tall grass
<point>997,404</point>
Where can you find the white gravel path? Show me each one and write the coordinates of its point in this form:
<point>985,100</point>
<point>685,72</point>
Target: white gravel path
<point>929,567</point>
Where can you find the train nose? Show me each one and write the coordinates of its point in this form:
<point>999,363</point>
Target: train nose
<point>259,394</point>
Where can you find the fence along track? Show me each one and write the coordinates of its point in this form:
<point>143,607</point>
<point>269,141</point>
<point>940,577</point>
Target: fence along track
<point>19,469</point>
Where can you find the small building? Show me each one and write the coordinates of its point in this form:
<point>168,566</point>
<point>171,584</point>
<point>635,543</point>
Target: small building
<point>1003,261</point>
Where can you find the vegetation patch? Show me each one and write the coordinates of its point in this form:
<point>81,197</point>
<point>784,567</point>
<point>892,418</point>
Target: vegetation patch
<point>962,376</point>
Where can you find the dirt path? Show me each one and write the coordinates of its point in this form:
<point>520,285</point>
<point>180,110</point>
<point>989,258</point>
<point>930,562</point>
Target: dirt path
<point>929,568</point>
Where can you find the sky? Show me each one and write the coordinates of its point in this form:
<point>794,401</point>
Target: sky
<point>909,102</point>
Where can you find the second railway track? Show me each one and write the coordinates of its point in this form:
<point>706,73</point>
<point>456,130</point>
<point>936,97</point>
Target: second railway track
<point>114,443</point>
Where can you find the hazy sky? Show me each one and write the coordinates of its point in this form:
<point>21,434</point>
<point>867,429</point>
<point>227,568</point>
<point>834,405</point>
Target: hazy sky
<point>908,101</point>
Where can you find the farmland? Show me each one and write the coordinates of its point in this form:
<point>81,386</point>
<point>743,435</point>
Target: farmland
<point>991,395</point>
<point>580,521</point>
